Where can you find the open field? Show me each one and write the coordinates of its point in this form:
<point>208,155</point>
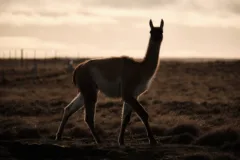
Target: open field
<point>194,110</point>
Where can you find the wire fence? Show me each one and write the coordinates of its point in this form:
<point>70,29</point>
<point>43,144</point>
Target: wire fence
<point>31,60</point>
<point>35,53</point>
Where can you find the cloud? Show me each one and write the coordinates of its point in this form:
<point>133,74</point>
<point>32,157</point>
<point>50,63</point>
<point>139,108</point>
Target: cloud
<point>194,5</point>
<point>214,13</point>
<point>131,4</point>
<point>30,42</point>
<point>48,13</point>
<point>233,6</point>
<point>38,19</point>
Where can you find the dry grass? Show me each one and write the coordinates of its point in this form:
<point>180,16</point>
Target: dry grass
<point>219,136</point>
<point>188,103</point>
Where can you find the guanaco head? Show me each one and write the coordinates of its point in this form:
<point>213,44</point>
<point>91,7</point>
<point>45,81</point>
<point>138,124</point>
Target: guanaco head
<point>156,32</point>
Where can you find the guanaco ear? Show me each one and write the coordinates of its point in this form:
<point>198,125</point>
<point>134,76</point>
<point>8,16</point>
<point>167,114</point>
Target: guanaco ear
<point>162,24</point>
<point>151,24</point>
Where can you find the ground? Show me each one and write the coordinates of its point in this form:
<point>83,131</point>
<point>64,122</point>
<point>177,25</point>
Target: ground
<point>193,105</point>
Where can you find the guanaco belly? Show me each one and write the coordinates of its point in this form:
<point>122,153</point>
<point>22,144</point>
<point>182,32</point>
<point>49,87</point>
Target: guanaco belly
<point>143,86</point>
<point>111,88</point>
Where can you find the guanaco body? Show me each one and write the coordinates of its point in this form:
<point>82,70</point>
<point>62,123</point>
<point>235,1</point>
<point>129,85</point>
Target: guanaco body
<point>117,77</point>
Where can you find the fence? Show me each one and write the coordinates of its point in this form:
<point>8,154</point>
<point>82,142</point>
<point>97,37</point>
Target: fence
<point>32,53</point>
<point>33,59</point>
<point>24,54</point>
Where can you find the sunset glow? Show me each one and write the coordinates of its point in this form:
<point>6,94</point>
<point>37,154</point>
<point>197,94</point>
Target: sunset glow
<point>102,28</point>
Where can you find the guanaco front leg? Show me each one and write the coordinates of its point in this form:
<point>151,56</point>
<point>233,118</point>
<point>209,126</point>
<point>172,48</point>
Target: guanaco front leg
<point>142,114</point>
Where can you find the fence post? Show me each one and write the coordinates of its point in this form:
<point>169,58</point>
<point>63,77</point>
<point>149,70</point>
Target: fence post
<point>55,59</point>
<point>15,54</point>
<point>21,57</point>
<point>34,55</point>
<point>45,58</point>
<point>34,58</point>
<point>10,54</point>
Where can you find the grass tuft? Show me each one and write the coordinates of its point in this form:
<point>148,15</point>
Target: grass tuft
<point>190,128</point>
<point>184,138</point>
<point>218,137</point>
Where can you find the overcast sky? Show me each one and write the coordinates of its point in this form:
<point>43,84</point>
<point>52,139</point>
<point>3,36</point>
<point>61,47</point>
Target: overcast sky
<point>193,28</point>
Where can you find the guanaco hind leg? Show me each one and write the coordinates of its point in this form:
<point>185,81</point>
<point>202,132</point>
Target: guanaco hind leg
<point>89,93</point>
<point>89,119</point>
<point>71,108</point>
<point>126,115</point>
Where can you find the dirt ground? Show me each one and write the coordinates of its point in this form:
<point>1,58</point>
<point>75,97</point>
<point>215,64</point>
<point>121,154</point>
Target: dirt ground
<point>193,105</point>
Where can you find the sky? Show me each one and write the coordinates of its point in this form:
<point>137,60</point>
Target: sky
<point>103,28</point>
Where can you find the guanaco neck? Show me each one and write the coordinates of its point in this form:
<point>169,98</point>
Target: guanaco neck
<point>150,61</point>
